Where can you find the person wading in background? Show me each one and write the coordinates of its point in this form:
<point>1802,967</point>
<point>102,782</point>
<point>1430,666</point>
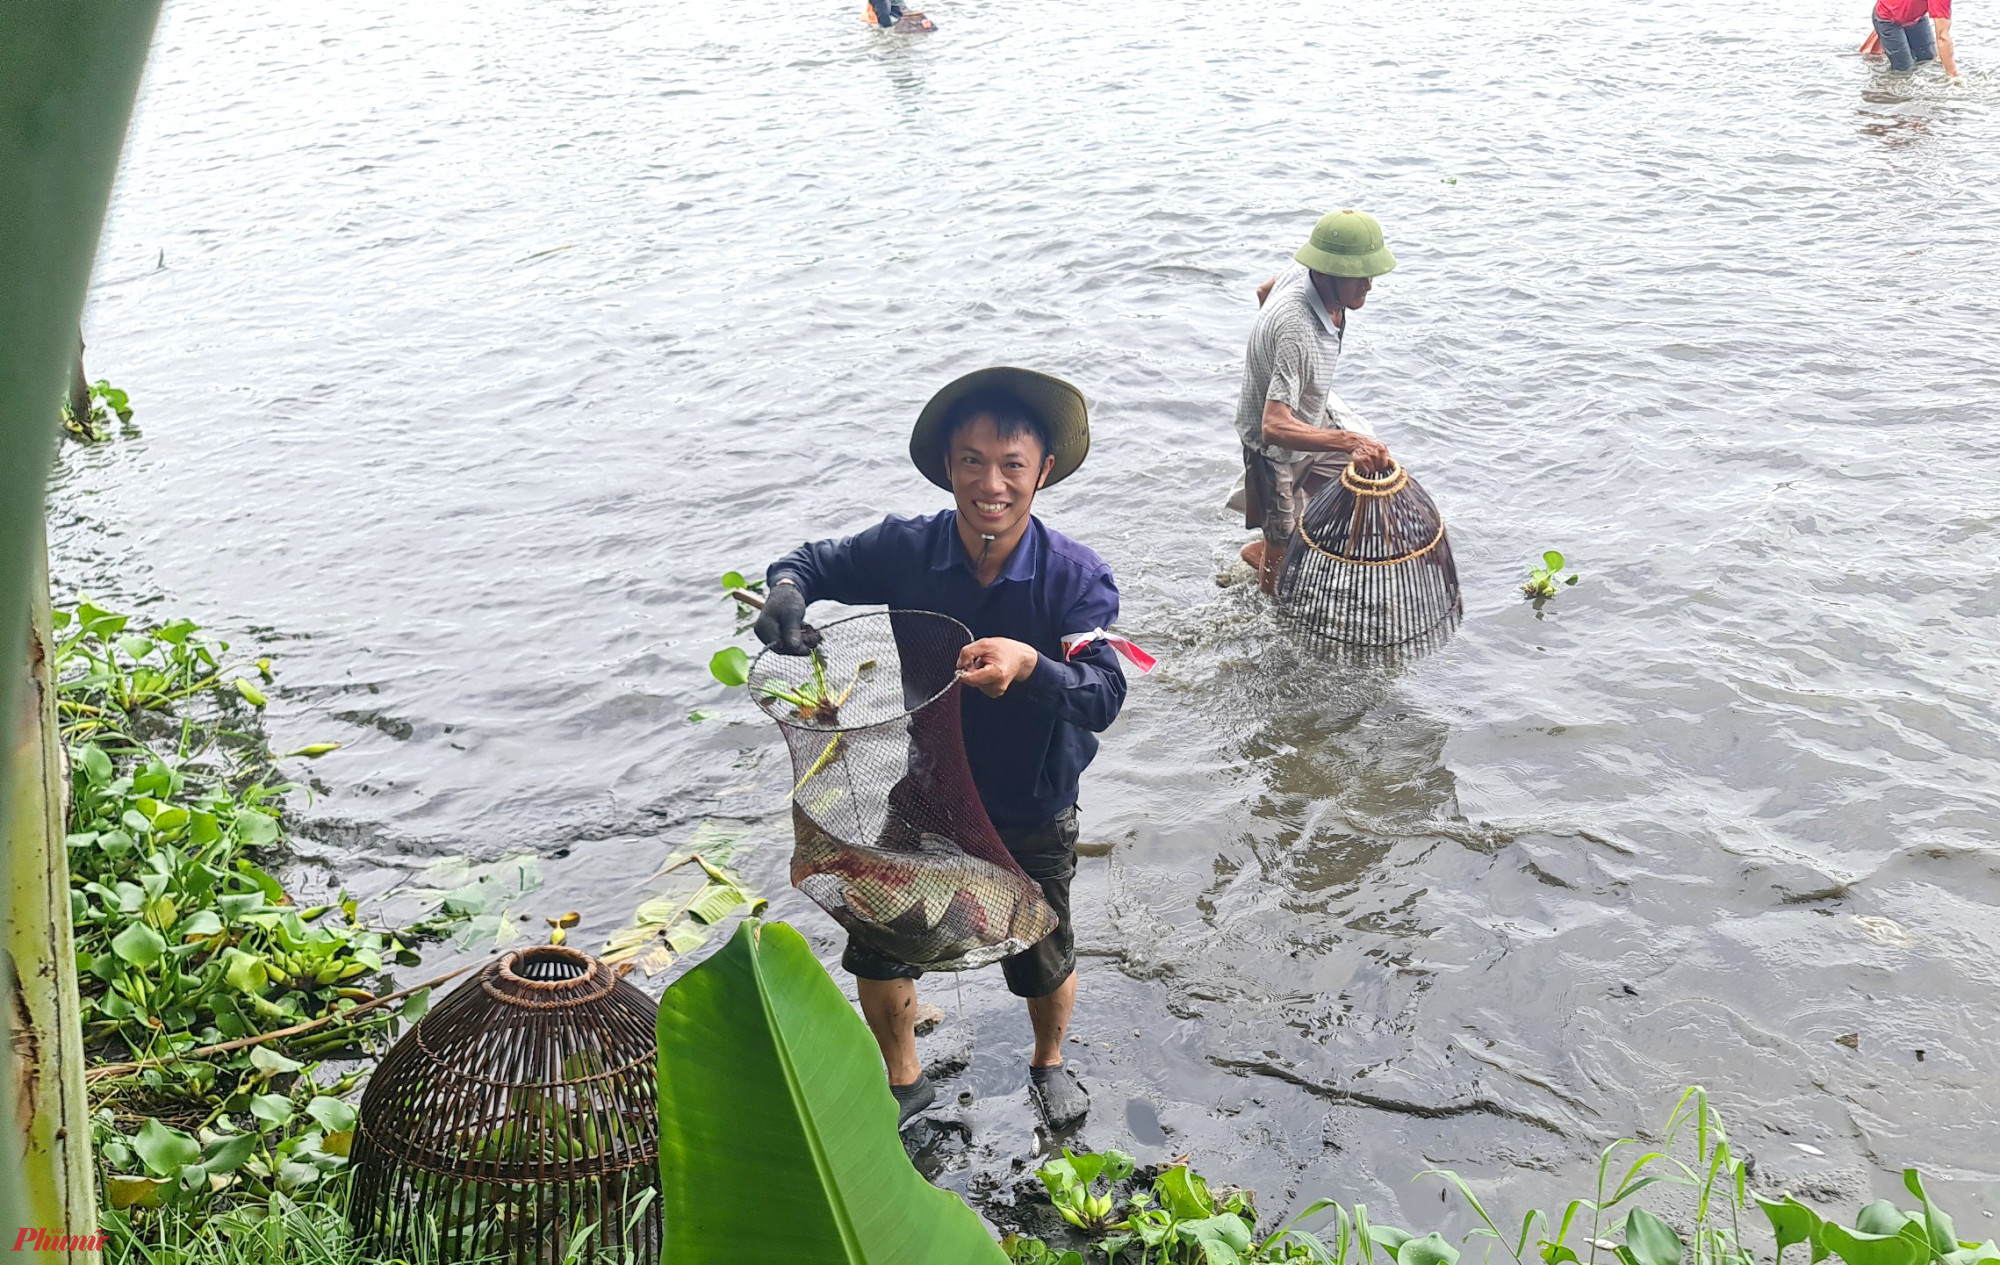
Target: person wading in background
<point>1905,34</point>
<point>1297,434</point>
<point>992,439</point>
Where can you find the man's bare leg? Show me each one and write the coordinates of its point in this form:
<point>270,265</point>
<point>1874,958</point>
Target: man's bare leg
<point>1054,1089</point>
<point>1050,1015</point>
<point>890,1006</point>
<point>1265,562</point>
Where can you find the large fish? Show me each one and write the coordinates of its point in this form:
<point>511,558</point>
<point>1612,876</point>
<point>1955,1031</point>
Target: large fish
<point>935,906</point>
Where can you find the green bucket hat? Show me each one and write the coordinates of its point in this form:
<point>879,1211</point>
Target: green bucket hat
<point>1347,244</point>
<point>1059,405</point>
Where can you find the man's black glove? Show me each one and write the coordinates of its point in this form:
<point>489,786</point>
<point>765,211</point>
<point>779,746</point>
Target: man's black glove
<point>781,625</point>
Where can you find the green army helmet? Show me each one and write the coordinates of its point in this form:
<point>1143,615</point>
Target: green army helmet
<point>1347,243</point>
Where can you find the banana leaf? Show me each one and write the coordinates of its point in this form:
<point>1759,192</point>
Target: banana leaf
<point>777,1129</point>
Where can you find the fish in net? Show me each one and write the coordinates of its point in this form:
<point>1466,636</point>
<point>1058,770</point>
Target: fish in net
<point>1370,565</point>
<point>889,834</point>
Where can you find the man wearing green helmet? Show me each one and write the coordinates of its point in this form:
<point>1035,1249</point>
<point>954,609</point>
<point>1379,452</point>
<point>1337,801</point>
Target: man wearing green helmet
<point>1296,433</point>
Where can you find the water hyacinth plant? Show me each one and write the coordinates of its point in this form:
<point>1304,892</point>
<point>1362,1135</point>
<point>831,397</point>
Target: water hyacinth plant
<point>1543,580</point>
<point>1178,1222</point>
<point>102,403</point>
<point>190,952</point>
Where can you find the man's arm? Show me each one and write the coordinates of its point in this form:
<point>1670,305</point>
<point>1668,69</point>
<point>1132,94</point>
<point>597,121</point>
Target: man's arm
<point>1283,428</point>
<point>1264,291</point>
<point>849,570</point>
<point>1947,56</point>
<point>1088,689</point>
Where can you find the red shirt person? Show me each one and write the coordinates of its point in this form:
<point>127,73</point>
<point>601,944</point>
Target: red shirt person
<point>1912,31</point>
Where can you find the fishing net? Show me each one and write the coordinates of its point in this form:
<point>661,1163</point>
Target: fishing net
<point>890,836</point>
<point>1370,564</point>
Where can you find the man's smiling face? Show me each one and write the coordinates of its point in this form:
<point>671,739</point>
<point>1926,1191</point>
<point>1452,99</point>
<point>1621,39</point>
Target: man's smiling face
<point>994,477</point>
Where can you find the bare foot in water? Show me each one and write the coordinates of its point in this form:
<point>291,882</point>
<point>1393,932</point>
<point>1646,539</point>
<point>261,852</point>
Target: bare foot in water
<point>1253,553</point>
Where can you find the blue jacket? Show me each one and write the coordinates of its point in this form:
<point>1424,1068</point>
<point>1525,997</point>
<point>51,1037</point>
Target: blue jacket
<point>1028,747</point>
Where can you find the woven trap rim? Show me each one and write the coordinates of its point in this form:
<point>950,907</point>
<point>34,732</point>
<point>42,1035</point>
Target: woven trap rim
<point>775,708</point>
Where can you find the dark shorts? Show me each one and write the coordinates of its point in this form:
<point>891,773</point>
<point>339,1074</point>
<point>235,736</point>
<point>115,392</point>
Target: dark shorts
<point>1048,853</point>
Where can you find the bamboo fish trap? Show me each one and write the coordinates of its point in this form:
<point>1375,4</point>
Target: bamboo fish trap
<point>519,1111</point>
<point>1370,565</point>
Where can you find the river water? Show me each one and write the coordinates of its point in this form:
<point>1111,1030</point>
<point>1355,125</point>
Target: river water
<point>470,343</point>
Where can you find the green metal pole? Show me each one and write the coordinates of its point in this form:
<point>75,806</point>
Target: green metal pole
<point>69,71</point>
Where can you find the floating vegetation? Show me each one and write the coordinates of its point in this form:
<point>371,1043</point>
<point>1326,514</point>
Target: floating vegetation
<point>677,920</point>
<point>1543,581</point>
<point>207,991</point>
<point>92,425</point>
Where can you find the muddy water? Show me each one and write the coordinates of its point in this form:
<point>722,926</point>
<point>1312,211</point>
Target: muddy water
<point>471,342</point>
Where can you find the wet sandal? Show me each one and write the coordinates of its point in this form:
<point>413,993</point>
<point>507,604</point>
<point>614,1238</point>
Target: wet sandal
<point>913,1098</point>
<point>1058,1095</point>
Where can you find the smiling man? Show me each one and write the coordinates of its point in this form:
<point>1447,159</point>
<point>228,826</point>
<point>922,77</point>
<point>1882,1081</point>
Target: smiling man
<point>1296,433</point>
<point>992,439</point>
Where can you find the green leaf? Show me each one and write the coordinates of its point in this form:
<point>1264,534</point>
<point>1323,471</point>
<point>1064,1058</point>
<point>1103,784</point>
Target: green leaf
<point>715,902</point>
<point>1791,1221</point>
<point>127,1191</point>
<point>315,749</point>
<point>734,580</point>
<point>272,1109</point>
<point>258,830</point>
<point>1553,561</point>
<point>700,714</point>
<point>1881,1217</point>
<point>1858,1247</point>
<point>1651,1240</point>
<point>1117,1165</point>
<point>165,1150</point>
<point>1390,1237</point>
<point>139,944</point>
<point>251,694</point>
<point>1937,1223</point>
<point>730,666</point>
<point>774,1112</point>
<point>1429,1250</point>
<point>415,1006</point>
<point>332,1114</point>
<point>1223,1238</point>
<point>229,1153</point>
<point>202,922</point>
<point>269,1061</point>
<point>95,764</point>
<point>135,647</point>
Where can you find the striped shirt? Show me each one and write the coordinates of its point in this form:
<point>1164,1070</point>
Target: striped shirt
<point>1293,348</point>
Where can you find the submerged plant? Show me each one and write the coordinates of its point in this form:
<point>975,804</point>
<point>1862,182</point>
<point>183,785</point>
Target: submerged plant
<point>1543,580</point>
